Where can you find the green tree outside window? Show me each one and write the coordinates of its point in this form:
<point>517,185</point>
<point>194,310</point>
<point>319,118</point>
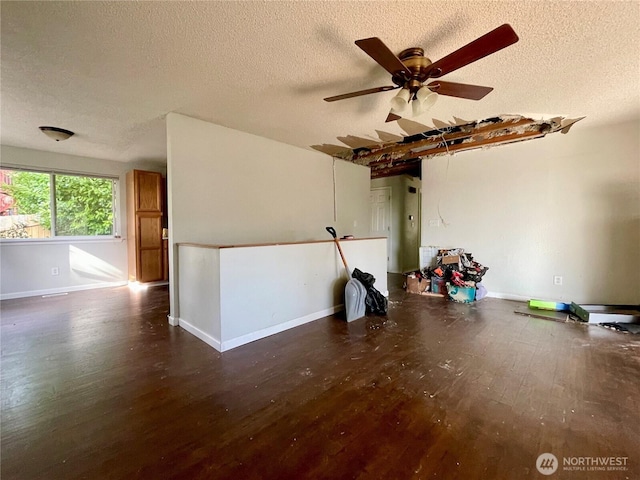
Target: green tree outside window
<point>83,206</point>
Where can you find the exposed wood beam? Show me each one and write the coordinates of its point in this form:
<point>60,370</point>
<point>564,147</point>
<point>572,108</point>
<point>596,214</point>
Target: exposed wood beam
<point>508,138</point>
<point>401,148</point>
<point>412,167</point>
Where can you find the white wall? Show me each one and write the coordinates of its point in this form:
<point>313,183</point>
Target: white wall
<point>200,291</point>
<point>352,204</point>
<point>228,187</point>
<point>288,285</point>
<point>292,283</point>
<point>565,205</point>
<point>25,266</point>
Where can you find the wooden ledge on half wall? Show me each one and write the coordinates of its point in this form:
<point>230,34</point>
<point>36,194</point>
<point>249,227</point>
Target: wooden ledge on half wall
<point>247,245</point>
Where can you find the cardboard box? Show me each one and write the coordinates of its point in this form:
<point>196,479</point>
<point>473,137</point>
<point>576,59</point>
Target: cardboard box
<point>451,259</point>
<point>417,285</point>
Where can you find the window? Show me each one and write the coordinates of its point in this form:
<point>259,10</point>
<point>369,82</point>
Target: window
<point>44,205</point>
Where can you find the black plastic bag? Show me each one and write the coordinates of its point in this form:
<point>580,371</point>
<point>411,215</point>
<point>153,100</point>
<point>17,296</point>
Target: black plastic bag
<point>365,279</point>
<point>375,302</point>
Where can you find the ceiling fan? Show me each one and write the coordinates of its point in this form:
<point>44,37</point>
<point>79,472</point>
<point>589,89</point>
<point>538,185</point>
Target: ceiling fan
<point>411,69</point>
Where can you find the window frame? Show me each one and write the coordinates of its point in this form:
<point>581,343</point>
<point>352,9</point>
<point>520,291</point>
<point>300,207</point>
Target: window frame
<point>115,236</point>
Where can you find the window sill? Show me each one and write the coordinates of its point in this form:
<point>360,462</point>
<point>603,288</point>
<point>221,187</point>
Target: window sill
<point>59,240</point>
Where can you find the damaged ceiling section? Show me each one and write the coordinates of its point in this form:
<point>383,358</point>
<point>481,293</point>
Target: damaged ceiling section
<point>402,154</point>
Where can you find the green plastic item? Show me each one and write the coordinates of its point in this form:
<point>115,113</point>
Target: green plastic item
<point>545,305</point>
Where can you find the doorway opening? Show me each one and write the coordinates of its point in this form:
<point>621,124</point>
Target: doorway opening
<point>395,214</point>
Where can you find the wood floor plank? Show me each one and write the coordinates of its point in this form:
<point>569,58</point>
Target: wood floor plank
<point>97,385</point>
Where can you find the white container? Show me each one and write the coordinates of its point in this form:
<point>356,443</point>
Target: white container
<point>428,256</point>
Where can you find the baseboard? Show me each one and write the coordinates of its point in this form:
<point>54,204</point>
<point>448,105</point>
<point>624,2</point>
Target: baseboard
<point>173,321</point>
<point>281,327</point>
<point>148,284</point>
<point>508,296</point>
<point>53,291</point>
<point>202,335</point>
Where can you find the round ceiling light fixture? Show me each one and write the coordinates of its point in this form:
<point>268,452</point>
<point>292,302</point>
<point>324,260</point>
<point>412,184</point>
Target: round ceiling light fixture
<point>56,133</point>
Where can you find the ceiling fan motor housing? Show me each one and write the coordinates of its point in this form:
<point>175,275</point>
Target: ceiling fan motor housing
<point>419,67</point>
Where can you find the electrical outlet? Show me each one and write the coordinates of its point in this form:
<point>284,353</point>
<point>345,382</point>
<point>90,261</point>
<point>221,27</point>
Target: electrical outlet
<point>557,280</point>
<point>55,271</point>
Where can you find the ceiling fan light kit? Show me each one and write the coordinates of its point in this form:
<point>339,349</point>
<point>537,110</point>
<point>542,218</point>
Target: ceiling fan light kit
<point>411,69</point>
<point>426,97</point>
<point>400,101</point>
<point>417,108</point>
<point>421,101</point>
<point>424,100</point>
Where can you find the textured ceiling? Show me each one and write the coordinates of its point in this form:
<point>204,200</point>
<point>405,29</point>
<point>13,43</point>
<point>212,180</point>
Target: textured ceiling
<point>111,71</point>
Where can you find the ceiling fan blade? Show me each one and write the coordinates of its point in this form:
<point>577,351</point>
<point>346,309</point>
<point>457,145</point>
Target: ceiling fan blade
<point>360,93</point>
<point>376,49</point>
<point>495,40</point>
<point>460,90</point>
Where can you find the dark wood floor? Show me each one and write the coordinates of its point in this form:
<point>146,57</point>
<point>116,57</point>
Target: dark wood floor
<point>96,385</point>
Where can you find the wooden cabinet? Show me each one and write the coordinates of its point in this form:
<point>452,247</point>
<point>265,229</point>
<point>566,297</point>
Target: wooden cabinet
<point>144,226</point>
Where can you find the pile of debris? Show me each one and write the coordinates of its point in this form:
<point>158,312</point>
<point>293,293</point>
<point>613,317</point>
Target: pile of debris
<point>455,274</point>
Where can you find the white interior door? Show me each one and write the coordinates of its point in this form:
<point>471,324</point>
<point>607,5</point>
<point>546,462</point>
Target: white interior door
<point>380,199</point>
